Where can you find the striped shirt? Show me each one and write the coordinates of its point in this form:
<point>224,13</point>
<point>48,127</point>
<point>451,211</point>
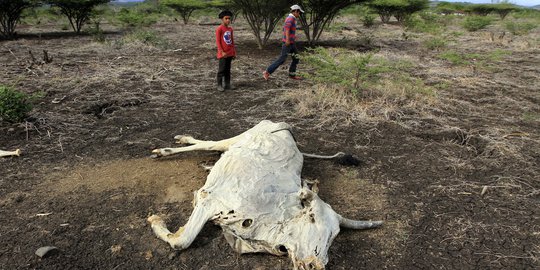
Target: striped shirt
<point>290,26</point>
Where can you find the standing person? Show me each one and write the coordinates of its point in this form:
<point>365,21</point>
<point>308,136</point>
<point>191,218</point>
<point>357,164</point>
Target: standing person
<point>226,50</point>
<point>288,45</point>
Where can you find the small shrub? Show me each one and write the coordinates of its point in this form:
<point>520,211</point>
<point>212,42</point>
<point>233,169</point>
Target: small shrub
<point>435,43</point>
<point>95,31</point>
<point>475,23</point>
<point>519,28</point>
<point>368,20</point>
<point>14,105</point>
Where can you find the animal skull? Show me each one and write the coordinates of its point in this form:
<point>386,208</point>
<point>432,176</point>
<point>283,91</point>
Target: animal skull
<point>255,193</point>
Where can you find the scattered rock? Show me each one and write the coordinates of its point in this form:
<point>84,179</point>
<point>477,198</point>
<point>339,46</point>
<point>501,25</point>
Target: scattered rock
<point>47,251</point>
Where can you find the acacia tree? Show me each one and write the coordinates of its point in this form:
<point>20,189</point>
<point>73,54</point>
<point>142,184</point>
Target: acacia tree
<point>386,8</point>
<point>410,7</point>
<point>504,9</point>
<point>10,13</point>
<point>78,12</point>
<point>319,14</point>
<point>262,16</point>
<point>481,9</point>
<point>447,8</point>
<point>401,9</point>
<point>184,7</point>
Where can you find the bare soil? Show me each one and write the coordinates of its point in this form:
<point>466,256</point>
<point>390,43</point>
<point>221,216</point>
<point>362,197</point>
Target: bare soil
<point>458,188</point>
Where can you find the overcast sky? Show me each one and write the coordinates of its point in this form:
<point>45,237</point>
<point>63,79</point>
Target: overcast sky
<point>518,2</point>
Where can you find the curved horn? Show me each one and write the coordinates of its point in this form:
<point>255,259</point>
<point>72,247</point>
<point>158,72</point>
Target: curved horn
<point>358,224</point>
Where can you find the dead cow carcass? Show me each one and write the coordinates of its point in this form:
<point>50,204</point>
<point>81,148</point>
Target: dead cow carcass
<point>255,193</point>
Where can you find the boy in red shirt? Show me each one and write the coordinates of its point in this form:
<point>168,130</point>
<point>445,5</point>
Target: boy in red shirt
<point>225,50</point>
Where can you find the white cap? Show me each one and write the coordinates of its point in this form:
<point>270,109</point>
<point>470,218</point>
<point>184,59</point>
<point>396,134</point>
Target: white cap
<point>297,7</point>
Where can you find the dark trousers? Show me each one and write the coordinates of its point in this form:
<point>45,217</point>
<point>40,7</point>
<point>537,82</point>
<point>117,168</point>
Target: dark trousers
<point>286,50</point>
<point>224,72</point>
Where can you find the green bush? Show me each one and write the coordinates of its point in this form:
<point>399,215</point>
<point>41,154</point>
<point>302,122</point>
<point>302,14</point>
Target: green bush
<point>475,23</point>
<point>135,18</point>
<point>14,105</point>
<point>519,28</point>
<point>368,20</point>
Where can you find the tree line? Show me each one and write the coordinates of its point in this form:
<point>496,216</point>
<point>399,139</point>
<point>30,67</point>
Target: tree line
<point>261,15</point>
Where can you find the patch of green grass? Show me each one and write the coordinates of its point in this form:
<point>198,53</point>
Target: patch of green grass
<point>436,43</point>
<point>531,116</point>
<point>519,28</point>
<point>454,57</point>
<point>458,58</point>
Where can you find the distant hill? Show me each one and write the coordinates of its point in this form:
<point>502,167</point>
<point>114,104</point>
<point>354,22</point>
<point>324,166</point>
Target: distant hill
<point>434,4</point>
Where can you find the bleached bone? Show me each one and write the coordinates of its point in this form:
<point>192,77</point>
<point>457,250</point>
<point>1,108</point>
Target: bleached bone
<point>255,193</point>
<point>10,153</point>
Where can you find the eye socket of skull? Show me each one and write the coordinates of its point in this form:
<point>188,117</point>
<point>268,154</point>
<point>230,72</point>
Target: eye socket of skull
<point>246,223</point>
<point>282,249</point>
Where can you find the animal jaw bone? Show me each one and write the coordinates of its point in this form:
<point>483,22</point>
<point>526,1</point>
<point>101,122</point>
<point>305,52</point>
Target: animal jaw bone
<point>255,193</point>
<point>10,153</point>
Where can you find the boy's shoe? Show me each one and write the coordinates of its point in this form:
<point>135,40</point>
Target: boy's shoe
<point>220,88</point>
<point>266,75</point>
<point>295,77</point>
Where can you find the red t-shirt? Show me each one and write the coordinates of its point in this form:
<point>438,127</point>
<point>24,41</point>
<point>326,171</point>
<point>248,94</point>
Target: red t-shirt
<point>225,41</point>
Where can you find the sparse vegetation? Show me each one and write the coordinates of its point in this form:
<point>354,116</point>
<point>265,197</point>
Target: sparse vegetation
<point>355,82</point>
<point>147,37</point>
<point>519,28</point>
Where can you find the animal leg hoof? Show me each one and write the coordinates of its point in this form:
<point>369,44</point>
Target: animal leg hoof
<point>155,220</point>
<point>183,139</point>
<point>161,152</point>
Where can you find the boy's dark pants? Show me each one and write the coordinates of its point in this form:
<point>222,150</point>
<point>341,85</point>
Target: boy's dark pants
<point>224,72</point>
<point>285,51</point>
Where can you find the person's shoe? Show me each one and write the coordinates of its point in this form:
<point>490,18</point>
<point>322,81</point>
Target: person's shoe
<point>266,75</point>
<point>220,88</point>
<point>295,77</point>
